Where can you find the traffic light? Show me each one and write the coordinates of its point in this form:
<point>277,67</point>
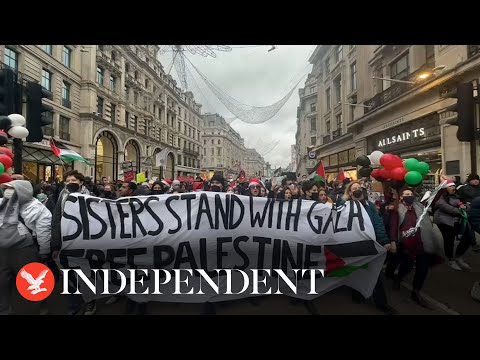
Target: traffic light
<point>36,118</point>
<point>7,92</point>
<point>465,109</point>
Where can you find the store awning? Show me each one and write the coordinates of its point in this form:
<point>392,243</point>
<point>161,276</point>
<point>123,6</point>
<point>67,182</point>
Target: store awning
<point>40,156</point>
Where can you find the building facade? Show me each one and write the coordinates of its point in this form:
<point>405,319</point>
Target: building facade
<point>114,105</point>
<point>254,164</point>
<point>223,148</point>
<point>395,103</point>
<point>306,135</point>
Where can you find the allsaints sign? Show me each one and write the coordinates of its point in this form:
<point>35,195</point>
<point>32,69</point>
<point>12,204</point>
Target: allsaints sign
<point>416,133</point>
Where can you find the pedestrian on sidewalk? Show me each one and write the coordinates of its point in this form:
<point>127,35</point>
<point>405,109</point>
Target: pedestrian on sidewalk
<point>412,248</point>
<point>448,214</point>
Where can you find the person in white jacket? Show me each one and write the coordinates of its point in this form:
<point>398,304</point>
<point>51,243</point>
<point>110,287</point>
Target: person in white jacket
<point>22,219</point>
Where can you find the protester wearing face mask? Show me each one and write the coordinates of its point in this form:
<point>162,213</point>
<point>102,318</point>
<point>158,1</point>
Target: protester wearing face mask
<point>157,188</point>
<point>22,218</point>
<point>73,184</point>
<point>354,192</point>
<point>216,183</point>
<point>310,190</point>
<point>412,248</point>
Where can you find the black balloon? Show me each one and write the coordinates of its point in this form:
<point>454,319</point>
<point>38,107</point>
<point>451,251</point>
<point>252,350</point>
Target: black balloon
<point>363,160</point>
<point>396,184</point>
<point>5,123</point>
<point>365,172</point>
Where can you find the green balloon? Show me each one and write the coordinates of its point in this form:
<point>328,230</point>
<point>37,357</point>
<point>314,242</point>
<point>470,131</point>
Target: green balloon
<point>411,164</point>
<point>413,178</point>
<point>423,167</point>
<point>2,168</point>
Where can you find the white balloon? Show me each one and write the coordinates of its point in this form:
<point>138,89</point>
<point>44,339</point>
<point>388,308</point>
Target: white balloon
<point>17,119</point>
<point>18,132</point>
<point>375,157</point>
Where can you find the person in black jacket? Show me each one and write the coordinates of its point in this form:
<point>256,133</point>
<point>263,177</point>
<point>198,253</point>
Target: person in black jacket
<point>355,192</point>
<point>474,214</point>
<point>471,190</point>
<point>73,184</point>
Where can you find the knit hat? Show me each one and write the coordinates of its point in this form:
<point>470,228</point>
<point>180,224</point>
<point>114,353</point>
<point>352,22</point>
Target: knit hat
<point>450,183</point>
<point>175,182</point>
<point>472,177</point>
<point>167,182</point>
<point>218,177</point>
<point>254,182</point>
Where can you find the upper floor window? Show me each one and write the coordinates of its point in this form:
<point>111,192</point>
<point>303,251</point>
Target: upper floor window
<point>47,49</point>
<point>67,56</point>
<point>399,69</point>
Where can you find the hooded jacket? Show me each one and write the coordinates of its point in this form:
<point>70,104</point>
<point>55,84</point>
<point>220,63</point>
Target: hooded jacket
<point>36,216</point>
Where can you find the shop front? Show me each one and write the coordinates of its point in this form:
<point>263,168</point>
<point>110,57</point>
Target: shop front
<point>419,139</point>
<point>40,164</point>
<point>334,163</point>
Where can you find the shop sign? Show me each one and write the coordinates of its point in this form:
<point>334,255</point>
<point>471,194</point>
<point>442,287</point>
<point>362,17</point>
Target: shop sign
<point>398,138</point>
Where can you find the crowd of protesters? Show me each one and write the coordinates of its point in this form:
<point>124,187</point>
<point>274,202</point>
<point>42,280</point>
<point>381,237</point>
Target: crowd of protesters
<point>29,218</point>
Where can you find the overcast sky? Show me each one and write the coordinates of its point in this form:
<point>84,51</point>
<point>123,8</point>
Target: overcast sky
<point>255,77</point>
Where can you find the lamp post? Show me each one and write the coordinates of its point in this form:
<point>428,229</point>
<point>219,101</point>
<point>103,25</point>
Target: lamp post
<point>422,76</point>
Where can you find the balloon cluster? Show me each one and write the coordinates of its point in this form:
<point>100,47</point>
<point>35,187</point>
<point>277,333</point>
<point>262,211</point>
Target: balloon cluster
<point>393,169</point>
<point>6,162</point>
<point>12,125</point>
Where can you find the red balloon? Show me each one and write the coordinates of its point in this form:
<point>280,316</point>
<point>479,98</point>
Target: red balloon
<point>375,174</point>
<point>390,161</point>
<point>385,174</point>
<point>398,173</point>
<point>6,151</point>
<point>4,178</point>
<point>6,161</point>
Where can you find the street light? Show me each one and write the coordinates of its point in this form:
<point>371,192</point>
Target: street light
<point>352,104</point>
<point>422,76</point>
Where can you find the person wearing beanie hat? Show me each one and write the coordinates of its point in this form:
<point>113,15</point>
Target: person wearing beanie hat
<point>216,182</point>
<point>471,190</point>
<point>254,186</point>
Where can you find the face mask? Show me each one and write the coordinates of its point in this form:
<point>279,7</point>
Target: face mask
<point>8,193</point>
<point>73,187</point>
<point>315,196</point>
<point>357,194</point>
<point>107,193</point>
<point>408,200</point>
<point>156,192</point>
<point>215,188</point>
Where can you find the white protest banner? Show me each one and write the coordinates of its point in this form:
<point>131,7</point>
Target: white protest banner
<point>141,238</point>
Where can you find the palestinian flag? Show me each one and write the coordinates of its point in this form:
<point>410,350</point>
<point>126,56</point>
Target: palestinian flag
<point>341,175</point>
<point>320,172</point>
<point>66,155</point>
